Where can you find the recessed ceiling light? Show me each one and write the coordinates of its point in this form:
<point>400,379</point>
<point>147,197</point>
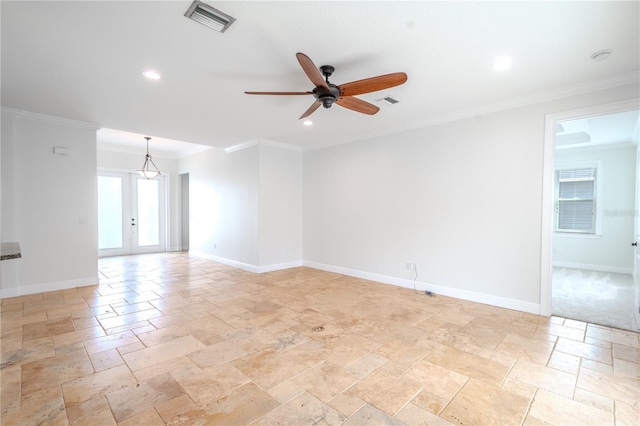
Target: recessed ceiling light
<point>151,75</point>
<point>307,122</point>
<point>601,55</point>
<point>502,63</point>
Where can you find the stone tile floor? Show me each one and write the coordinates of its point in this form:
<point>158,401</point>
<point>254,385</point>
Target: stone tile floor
<point>175,339</point>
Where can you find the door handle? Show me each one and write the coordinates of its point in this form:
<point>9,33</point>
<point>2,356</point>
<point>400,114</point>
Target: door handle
<point>635,244</point>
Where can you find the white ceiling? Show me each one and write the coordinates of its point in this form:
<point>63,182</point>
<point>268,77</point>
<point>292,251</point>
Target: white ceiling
<point>83,61</point>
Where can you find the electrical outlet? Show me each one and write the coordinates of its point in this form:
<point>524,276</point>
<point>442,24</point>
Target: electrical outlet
<point>411,266</point>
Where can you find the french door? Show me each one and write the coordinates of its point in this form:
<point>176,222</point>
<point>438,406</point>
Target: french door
<point>131,214</point>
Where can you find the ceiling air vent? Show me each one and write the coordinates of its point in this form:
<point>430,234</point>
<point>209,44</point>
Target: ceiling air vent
<point>209,16</point>
<point>389,100</point>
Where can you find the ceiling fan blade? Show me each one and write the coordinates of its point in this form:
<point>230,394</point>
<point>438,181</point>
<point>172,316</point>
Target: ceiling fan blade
<point>358,105</point>
<point>279,93</point>
<point>311,70</point>
<point>314,106</point>
<point>372,84</point>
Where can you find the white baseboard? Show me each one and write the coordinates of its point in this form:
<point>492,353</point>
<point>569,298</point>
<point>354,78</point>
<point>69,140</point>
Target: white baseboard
<point>599,268</point>
<point>44,287</point>
<point>247,266</point>
<point>502,302</point>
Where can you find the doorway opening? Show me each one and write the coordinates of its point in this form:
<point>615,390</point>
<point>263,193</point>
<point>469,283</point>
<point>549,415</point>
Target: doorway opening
<point>590,218</point>
<point>131,214</point>
<point>184,211</point>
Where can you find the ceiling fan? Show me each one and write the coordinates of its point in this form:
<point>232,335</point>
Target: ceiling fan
<point>327,93</point>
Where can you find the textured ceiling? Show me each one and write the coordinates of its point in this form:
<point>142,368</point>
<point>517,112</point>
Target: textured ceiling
<point>83,61</point>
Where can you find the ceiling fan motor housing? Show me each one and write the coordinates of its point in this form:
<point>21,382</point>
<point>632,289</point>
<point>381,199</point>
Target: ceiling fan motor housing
<point>327,97</point>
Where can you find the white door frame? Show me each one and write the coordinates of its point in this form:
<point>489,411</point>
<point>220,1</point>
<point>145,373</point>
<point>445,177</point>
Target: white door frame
<point>546,250</point>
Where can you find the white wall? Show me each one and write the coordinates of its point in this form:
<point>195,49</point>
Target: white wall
<point>49,203</point>
<point>223,203</point>
<point>460,199</point>
<point>612,250</point>
<point>130,163</point>
<point>246,206</point>
<point>280,212</point>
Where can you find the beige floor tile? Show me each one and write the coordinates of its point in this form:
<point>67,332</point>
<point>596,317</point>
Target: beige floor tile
<point>286,391</point>
<point>38,330</point>
<point>584,350</point>
<point>598,401</point>
<point>621,337</point>
<point>403,353</point>
<point>564,362</point>
<point>77,336</point>
<point>471,365</point>
<point>101,383</point>
<point>42,407</point>
<point>346,403</point>
<point>209,384</point>
<point>71,362</point>
<point>560,331</point>
<point>365,365</point>
<point>387,392</point>
<point>553,380</point>
<point>30,351</point>
<point>135,399</point>
<point>624,368</point>
<point>555,409</point>
<point>217,354</point>
<point>180,410</point>
<point>245,405</point>
<point>476,399</point>
<point>414,415</point>
<point>626,414</point>
<point>90,412</point>
<point>268,368</point>
<point>110,342</point>
<point>325,381</point>
<point>623,389</point>
<point>439,385</point>
<point>162,352</point>
<point>315,412</point>
<point>534,349</point>
<point>10,385</point>
<point>369,415</point>
<point>626,353</point>
<point>148,417</point>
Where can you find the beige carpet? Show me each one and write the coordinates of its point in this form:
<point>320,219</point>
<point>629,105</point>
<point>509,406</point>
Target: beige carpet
<point>603,298</point>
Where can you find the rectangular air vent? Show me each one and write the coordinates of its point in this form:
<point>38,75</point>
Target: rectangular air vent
<point>209,16</point>
<point>388,100</point>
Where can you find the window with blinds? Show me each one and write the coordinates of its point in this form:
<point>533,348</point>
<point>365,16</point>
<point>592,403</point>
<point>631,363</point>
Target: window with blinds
<point>576,200</point>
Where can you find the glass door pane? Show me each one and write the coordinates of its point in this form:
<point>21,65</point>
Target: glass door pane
<point>114,205</point>
<point>148,213</point>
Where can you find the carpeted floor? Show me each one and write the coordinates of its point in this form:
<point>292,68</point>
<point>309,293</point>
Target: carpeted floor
<point>603,298</point>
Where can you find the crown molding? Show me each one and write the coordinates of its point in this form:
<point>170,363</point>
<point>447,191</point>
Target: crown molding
<point>536,98</point>
<point>262,142</point>
<point>50,119</point>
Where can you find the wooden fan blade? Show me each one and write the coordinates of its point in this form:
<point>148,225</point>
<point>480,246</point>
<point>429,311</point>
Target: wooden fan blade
<point>279,93</point>
<point>372,84</point>
<point>314,106</point>
<point>311,70</point>
<point>358,105</point>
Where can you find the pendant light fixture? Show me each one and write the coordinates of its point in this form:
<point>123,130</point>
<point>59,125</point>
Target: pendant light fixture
<point>147,171</point>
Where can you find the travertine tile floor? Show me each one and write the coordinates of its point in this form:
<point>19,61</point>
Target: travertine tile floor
<point>174,339</point>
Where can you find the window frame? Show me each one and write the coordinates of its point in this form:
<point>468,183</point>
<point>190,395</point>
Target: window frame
<point>597,226</point>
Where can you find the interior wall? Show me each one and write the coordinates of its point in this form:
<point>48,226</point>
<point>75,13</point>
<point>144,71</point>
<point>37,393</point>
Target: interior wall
<point>223,204</point>
<point>50,207</point>
<point>280,224</point>
<point>612,250</point>
<point>130,163</point>
<point>462,200</point>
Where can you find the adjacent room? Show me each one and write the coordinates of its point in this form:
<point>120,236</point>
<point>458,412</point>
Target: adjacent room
<point>302,212</point>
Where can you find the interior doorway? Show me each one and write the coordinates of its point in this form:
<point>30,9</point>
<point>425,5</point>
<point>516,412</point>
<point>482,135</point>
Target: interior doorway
<point>131,214</point>
<point>590,198</point>
<point>184,211</point>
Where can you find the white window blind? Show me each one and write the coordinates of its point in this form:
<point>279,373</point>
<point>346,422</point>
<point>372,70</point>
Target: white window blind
<point>576,200</point>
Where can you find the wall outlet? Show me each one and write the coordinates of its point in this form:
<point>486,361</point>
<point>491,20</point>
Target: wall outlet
<point>411,266</point>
